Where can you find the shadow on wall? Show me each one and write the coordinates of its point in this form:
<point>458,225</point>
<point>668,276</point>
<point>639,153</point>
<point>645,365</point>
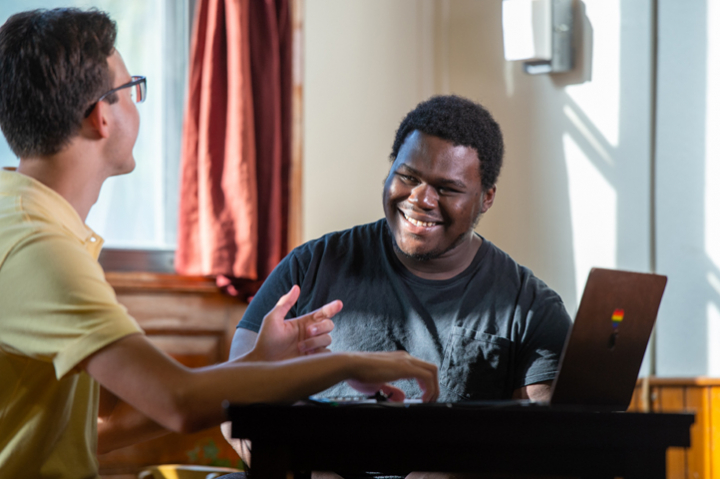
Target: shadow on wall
<point>576,189</point>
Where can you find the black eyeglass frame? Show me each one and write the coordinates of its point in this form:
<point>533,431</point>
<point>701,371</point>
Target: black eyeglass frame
<point>134,81</point>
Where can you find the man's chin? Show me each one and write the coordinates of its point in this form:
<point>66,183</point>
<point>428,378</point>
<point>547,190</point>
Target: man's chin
<point>129,168</point>
<point>420,255</point>
<point>416,254</point>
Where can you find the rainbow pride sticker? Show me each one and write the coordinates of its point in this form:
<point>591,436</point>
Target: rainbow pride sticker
<point>617,317</point>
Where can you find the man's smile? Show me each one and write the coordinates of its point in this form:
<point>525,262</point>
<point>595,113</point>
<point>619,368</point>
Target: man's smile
<point>418,222</point>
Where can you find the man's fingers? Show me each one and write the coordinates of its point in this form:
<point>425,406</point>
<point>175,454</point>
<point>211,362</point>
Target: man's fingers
<point>393,394</point>
<point>322,341</point>
<point>327,311</point>
<point>368,389</point>
<point>426,374</point>
<point>378,368</point>
<point>322,327</point>
<point>284,304</point>
<point>428,382</point>
<point>318,351</point>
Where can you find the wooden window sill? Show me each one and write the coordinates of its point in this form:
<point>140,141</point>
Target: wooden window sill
<point>127,282</point>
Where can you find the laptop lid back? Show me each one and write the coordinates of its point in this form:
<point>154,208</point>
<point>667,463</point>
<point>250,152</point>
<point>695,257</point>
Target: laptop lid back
<point>602,356</point>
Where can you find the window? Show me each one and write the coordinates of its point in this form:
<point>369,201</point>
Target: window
<point>137,213</point>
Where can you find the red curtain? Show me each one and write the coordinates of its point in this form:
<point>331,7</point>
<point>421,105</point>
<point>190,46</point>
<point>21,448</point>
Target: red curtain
<point>236,143</point>
<point>271,68</point>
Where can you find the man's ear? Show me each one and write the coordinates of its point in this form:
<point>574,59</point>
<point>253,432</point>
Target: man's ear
<point>98,119</point>
<point>488,197</point>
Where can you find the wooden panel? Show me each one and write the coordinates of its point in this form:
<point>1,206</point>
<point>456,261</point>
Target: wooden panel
<point>140,282</point>
<point>672,399</point>
<point>713,441</point>
<point>189,314</point>
<point>697,400</point>
<point>637,400</point>
<point>195,351</point>
<point>695,381</point>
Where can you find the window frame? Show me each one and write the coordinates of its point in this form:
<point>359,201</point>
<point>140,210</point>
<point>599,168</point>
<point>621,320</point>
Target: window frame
<point>119,261</point>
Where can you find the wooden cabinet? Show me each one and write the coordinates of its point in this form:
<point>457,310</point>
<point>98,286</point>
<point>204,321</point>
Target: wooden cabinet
<point>192,321</point>
<point>700,396</point>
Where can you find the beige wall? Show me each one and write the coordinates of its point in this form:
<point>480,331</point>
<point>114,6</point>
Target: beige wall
<point>367,63</point>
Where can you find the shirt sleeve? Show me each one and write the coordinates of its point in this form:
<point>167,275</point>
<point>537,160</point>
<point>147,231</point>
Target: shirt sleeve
<point>57,305</point>
<point>283,277</point>
<point>545,332</point>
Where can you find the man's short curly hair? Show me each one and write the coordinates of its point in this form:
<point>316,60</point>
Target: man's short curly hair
<point>461,122</point>
<point>53,66</point>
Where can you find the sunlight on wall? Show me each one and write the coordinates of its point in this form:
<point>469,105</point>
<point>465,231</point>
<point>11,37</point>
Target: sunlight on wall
<point>593,209</point>
<point>712,180</point>
<point>592,140</point>
<point>712,140</point>
<point>600,98</point>
<point>713,338</point>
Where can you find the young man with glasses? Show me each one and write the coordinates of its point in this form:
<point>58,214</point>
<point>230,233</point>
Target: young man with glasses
<point>67,110</point>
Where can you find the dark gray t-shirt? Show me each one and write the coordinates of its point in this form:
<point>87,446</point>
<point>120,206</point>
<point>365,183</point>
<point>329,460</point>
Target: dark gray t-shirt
<point>491,329</point>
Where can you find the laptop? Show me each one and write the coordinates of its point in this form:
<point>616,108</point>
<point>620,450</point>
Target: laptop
<point>601,360</point>
<point>603,352</point>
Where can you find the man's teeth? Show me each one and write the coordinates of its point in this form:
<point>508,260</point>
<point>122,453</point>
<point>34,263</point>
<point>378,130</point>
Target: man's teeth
<point>418,223</point>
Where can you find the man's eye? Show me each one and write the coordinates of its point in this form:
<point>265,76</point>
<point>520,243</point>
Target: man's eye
<point>406,178</point>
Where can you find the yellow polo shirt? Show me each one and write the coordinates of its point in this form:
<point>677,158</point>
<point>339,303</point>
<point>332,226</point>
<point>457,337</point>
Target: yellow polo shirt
<point>56,309</point>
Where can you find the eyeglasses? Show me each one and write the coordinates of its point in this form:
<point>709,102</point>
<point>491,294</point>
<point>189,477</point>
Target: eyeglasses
<point>138,85</point>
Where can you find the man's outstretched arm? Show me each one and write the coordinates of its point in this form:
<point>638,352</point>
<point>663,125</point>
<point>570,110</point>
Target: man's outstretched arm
<point>120,424</point>
<point>186,400</point>
<point>183,399</point>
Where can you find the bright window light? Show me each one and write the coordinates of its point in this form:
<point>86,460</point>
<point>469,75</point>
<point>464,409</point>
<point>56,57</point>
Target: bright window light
<point>139,210</point>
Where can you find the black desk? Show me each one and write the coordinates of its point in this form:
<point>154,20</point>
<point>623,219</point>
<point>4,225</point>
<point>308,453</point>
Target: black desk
<point>396,439</point>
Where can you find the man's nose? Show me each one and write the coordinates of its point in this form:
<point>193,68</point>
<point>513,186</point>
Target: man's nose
<point>424,196</point>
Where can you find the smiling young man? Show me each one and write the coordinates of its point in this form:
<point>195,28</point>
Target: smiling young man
<point>421,280</point>
<point>67,110</point>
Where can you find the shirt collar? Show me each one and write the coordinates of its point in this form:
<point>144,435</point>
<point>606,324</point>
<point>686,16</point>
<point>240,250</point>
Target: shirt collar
<point>38,198</point>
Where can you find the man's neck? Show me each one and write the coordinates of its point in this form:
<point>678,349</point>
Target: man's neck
<point>70,173</point>
<point>446,266</point>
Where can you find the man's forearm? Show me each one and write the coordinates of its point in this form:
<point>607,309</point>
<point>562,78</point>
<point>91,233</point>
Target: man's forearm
<point>535,392</point>
<point>246,383</point>
<point>186,400</point>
